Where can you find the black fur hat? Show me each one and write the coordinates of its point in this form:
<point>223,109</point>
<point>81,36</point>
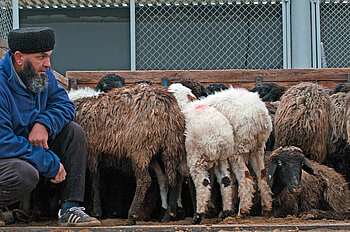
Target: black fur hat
<point>31,39</point>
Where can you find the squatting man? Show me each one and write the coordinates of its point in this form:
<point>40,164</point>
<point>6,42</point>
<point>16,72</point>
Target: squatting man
<point>37,135</point>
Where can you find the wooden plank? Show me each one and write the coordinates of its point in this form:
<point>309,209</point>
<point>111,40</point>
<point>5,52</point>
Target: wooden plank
<point>62,80</point>
<point>238,78</point>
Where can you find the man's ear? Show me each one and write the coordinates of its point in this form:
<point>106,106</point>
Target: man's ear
<point>19,58</point>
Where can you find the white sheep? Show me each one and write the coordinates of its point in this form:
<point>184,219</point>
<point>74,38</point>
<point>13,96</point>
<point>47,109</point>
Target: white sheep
<point>75,94</point>
<point>252,126</point>
<point>209,142</point>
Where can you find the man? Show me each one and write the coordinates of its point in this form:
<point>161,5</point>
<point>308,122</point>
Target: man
<point>37,135</point>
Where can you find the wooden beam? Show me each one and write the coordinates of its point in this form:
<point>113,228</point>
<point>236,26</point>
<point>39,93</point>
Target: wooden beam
<point>329,77</point>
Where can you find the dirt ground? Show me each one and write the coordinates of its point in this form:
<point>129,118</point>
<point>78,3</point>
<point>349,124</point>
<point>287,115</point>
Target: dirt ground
<point>251,223</point>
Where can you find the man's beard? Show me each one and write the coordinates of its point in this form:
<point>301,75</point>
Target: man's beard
<point>34,82</point>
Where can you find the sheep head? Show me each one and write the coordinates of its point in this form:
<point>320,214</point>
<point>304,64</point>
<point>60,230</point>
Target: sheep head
<point>286,165</point>
<point>182,94</point>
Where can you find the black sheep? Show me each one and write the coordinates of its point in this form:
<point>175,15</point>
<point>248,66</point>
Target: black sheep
<point>319,192</point>
<point>270,91</point>
<point>109,82</point>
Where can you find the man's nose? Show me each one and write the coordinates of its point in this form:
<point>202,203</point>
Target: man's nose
<point>47,63</point>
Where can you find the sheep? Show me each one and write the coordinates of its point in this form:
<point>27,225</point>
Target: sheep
<point>347,116</point>
<point>338,149</point>
<point>143,83</point>
<point>270,92</point>
<point>342,87</point>
<point>272,108</point>
<point>196,87</point>
<point>109,82</point>
<point>209,142</point>
<point>105,84</point>
<point>319,192</point>
<point>251,125</point>
<point>212,88</point>
<point>302,120</point>
<point>140,125</point>
<point>75,94</point>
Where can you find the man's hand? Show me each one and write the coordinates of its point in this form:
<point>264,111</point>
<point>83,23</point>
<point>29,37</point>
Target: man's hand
<point>61,175</point>
<point>38,136</point>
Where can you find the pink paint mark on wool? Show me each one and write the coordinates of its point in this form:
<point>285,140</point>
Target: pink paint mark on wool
<point>201,107</point>
<point>241,92</point>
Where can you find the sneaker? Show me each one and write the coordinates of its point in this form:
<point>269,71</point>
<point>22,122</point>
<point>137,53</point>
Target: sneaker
<point>75,216</point>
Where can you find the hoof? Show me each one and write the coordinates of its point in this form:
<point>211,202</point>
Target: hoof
<point>162,214</point>
<point>266,213</point>
<point>131,222</point>
<point>226,214</point>
<point>96,213</point>
<point>197,218</point>
<point>169,217</point>
<point>180,213</point>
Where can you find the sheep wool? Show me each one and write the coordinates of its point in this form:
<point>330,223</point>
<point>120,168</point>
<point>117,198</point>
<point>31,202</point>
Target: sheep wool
<point>302,120</point>
<point>252,126</point>
<point>323,193</point>
<point>209,143</point>
<point>137,124</point>
<point>337,145</point>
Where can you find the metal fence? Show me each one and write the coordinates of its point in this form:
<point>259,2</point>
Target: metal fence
<point>335,33</point>
<point>238,35</point>
<point>5,18</point>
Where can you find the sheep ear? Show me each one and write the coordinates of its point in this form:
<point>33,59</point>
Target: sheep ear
<point>272,170</point>
<point>191,98</point>
<point>307,167</point>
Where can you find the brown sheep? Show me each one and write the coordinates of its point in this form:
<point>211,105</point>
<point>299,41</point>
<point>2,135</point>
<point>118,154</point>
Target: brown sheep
<point>141,125</point>
<point>315,193</point>
<point>347,116</point>
<point>302,120</point>
<point>338,155</point>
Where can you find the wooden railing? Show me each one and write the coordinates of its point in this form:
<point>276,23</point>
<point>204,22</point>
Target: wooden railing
<point>329,77</point>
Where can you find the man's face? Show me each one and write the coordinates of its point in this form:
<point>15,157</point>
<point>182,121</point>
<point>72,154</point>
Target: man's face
<point>33,73</point>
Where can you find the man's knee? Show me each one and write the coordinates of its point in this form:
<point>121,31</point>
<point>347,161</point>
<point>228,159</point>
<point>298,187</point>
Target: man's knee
<point>27,175</point>
<point>74,129</point>
<point>17,178</point>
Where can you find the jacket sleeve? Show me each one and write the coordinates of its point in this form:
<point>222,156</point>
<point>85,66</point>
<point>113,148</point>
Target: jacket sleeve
<point>60,110</point>
<point>13,146</point>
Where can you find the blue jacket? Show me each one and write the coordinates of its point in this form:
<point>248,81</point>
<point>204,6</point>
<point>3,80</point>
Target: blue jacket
<point>19,110</point>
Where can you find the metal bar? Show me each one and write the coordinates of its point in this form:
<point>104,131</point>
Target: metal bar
<point>313,35</point>
<point>15,14</point>
<point>301,34</point>
<point>132,36</point>
<point>286,34</point>
<point>289,35</point>
<point>318,34</point>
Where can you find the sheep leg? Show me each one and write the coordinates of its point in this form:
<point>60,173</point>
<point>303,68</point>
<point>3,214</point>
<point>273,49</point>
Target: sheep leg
<point>96,198</point>
<point>223,177</point>
<point>143,182</point>
<point>258,166</point>
<point>174,195</point>
<point>245,186</point>
<point>163,185</point>
<point>201,181</point>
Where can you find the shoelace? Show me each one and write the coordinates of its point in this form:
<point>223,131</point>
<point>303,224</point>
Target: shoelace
<point>79,214</point>
<point>79,209</point>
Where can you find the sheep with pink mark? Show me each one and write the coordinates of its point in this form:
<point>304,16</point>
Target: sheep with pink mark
<point>246,116</point>
<point>209,143</point>
<point>252,126</point>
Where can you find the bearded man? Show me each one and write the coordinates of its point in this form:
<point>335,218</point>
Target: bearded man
<point>37,135</point>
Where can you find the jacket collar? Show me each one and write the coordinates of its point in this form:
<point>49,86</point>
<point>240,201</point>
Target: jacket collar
<point>11,79</point>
